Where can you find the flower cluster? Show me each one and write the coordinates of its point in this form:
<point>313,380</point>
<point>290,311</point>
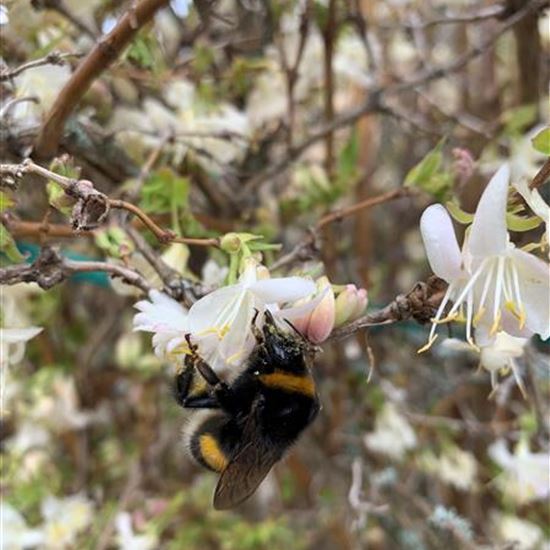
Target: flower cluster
<point>500,291</point>
<point>220,323</point>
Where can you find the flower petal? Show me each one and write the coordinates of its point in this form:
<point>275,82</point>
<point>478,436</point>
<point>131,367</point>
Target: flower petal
<point>440,242</point>
<point>161,314</point>
<point>215,309</point>
<point>15,335</point>
<point>283,289</point>
<point>534,277</point>
<point>488,233</point>
<point>321,321</point>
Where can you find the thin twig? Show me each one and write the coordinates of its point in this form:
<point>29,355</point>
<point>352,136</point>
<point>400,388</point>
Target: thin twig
<point>419,304</point>
<point>307,248</point>
<point>542,175</point>
<point>50,269</point>
<point>367,203</point>
<point>105,52</point>
<point>23,228</point>
<point>53,58</point>
<point>489,12</point>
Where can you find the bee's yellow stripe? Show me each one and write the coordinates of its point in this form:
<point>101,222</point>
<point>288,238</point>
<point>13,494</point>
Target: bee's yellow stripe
<point>289,382</point>
<point>211,453</point>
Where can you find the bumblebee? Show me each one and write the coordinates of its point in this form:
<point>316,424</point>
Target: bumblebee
<point>250,422</point>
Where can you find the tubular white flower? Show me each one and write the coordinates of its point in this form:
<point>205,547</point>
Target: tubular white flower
<point>525,476</point>
<point>499,354</point>
<point>164,317</point>
<point>220,322</point>
<point>490,281</point>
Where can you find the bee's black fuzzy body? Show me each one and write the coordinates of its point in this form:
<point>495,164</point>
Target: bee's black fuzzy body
<point>253,420</point>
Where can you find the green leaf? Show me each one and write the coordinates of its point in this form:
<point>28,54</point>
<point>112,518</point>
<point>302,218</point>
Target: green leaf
<point>349,156</point>
<point>8,246</point>
<point>426,168</point>
<point>516,120</point>
<point>458,214</point>
<point>541,142</point>
<point>58,199</point>
<point>428,174</point>
<point>163,191</point>
<point>6,202</point>
<point>520,224</point>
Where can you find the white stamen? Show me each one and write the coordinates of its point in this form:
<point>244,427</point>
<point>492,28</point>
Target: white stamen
<point>438,314</point>
<point>498,291</point>
<point>468,287</point>
<point>485,291</point>
<point>469,316</point>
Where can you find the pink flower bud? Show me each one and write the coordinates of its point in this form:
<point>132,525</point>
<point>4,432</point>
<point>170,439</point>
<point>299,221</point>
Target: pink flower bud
<point>463,164</point>
<point>361,302</point>
<point>350,304</point>
<point>321,321</point>
<point>345,304</point>
<point>318,322</point>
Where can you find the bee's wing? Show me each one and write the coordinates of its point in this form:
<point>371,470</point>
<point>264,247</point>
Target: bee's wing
<point>247,468</point>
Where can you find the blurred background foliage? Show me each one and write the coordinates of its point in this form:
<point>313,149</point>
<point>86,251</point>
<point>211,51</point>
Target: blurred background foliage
<point>204,123</point>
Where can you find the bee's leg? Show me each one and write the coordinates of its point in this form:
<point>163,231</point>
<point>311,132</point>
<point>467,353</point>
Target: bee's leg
<point>182,384</point>
<point>187,395</point>
<point>221,395</point>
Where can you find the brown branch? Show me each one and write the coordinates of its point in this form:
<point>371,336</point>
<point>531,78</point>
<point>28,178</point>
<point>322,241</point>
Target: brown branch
<point>308,249</point>
<point>489,12</point>
<point>374,102</point>
<point>419,304</point>
<point>50,269</point>
<point>100,57</point>
<point>92,206</point>
<point>542,175</point>
<point>22,228</point>
<point>367,203</point>
<point>53,58</point>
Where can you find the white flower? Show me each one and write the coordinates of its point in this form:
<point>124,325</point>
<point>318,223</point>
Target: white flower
<point>64,519</point>
<point>59,408</point>
<point>14,332</point>
<point>499,354</point>
<point>491,281</point>
<point>44,83</point>
<point>166,318</point>
<point>12,343</point>
<point>14,532</point>
<point>526,475</point>
<point>393,435</point>
<point>537,205</point>
<point>220,322</point>
<point>127,539</point>
<point>454,466</point>
<point>511,529</point>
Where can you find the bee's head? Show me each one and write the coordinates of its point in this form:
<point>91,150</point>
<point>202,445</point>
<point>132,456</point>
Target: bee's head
<point>285,348</point>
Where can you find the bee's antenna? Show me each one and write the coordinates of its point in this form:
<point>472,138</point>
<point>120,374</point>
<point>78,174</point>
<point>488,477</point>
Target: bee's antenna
<point>293,328</point>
